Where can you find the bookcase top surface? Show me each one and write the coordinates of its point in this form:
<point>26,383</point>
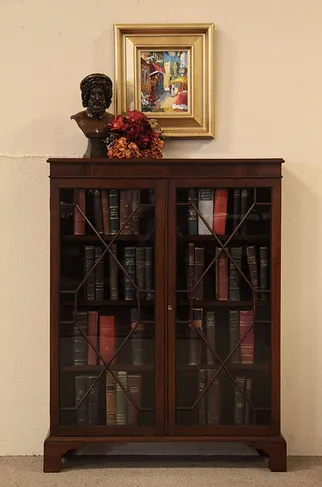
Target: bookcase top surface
<point>164,161</point>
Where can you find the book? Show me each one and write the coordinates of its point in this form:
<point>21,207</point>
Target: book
<point>126,205</point>
<point>248,408</point>
<point>192,214</point>
<point>247,344</point>
<point>134,384</point>
<point>234,274</point>
<point>202,409</point>
<point>240,401</point>
<point>121,398</point>
<point>129,276</point>
<point>137,210</point>
<point>98,211</point>
<point>140,267</point>
<point>234,334</point>
<point>220,211</point>
<point>191,268</point>
<point>213,399</point>
<point>221,275</point>
<point>199,269</point>
<point>99,274</point>
<point>244,196</point>
<point>149,282</point>
<point>107,338</point>
<point>194,338</point>
<point>263,271</point>
<point>206,209</point>
<point>89,259</point>
<point>92,336</point>
<point>80,391</point>
<point>113,273</point>
<point>252,267</point>
<point>113,203</point>
<point>210,333</point>
<point>236,209</point>
<point>92,400</point>
<point>80,345</point>
<point>79,220</point>
<point>110,399</point>
<point>137,339</point>
<point>105,212</point>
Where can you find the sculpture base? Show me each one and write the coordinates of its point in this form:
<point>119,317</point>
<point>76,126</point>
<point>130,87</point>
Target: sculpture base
<point>95,148</point>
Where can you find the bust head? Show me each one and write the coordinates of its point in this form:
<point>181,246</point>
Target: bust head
<point>97,94</point>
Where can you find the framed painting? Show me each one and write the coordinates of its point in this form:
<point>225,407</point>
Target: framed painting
<point>167,72</point>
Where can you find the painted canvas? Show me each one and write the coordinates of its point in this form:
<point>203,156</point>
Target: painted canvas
<point>164,81</point>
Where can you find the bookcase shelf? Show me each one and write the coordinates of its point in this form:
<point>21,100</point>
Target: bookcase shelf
<point>193,331</point>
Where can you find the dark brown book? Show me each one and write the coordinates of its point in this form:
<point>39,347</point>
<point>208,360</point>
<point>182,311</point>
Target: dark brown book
<point>199,269</point>
<point>121,398</point>
<point>240,401</point>
<point>234,274</point>
<point>129,276</point>
<point>80,391</point>
<point>126,205</point>
<point>110,399</point>
<point>244,204</point>
<point>213,399</point>
<point>113,205</point>
<point>134,385</point>
<point>92,400</point>
<point>93,337</point>
<point>89,272</point>
<point>191,268</point>
<point>99,274</point>
<point>192,213</point>
<point>202,405</point>
<point>137,210</point>
<point>79,220</point>
<point>264,271</point>
<point>105,212</point>
<point>221,275</point>
<point>236,208</point>
<point>220,211</point>
<point>247,344</point>
<point>137,339</point>
<point>98,211</point>
<point>80,347</point>
<point>252,267</point>
<point>149,281</point>
<point>234,334</point>
<point>140,267</point>
<point>248,407</point>
<point>210,333</point>
<point>194,338</point>
<point>113,271</point>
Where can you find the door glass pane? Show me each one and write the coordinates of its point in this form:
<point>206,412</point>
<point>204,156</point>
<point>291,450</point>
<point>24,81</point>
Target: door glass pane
<point>107,307</point>
<point>223,315</point>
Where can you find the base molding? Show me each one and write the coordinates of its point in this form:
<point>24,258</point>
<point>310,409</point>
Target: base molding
<point>55,447</point>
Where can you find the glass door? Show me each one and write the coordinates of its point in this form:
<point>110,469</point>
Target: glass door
<point>220,308</point>
<point>111,309</point>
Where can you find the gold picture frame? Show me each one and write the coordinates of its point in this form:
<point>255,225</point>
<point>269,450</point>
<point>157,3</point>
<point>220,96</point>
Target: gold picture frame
<point>167,71</point>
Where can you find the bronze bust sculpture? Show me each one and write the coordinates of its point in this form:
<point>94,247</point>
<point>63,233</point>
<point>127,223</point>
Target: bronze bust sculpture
<point>97,95</point>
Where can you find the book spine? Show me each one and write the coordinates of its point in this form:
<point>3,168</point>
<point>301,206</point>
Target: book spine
<point>92,400</point>
<point>107,338</point>
<point>213,400</point>
<point>236,208</point>
<point>210,331</point>
<point>126,203</point>
<point>136,215</point>
<point>129,266</point>
<point>234,334</point>
<point>135,392</point>
<point>252,267</point>
<point>247,344</point>
<point>191,268</point>
<point>110,399</point>
<point>80,346</point>
<point>263,271</point>
<point>80,391</point>
<point>199,269</point>
<point>105,212</point>
<point>203,402</point>
<point>234,274</point>
<point>113,268</point>
<point>140,267</point>
<point>221,275</point>
<point>192,214</point>
<point>92,336</point>
<point>99,274</point>
<point>79,220</point>
<point>194,338</point>
<point>244,197</point>
<point>248,408</point>
<point>240,401</point>
<point>149,281</point>
<point>113,203</point>
<point>89,263</point>
<point>206,209</point>
<point>98,211</point>
<point>220,211</point>
<point>136,339</point>
<point>121,398</point>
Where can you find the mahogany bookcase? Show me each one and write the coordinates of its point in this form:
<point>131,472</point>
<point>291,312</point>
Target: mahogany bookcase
<point>165,303</point>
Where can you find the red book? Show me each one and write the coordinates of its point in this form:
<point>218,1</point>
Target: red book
<point>247,345</point>
<point>107,338</point>
<point>92,336</point>
<point>222,276</point>
<point>220,211</point>
<point>79,220</point>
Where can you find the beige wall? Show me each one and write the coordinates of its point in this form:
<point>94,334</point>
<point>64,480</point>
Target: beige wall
<point>268,103</point>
